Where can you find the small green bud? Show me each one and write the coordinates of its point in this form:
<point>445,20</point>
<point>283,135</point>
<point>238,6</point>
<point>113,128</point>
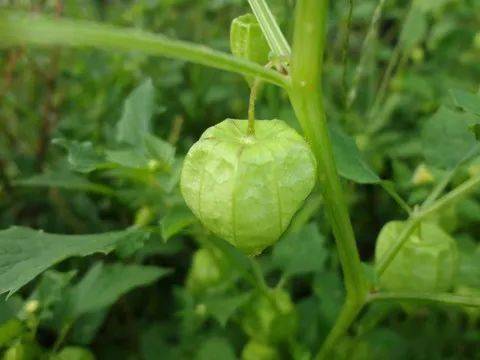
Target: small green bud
<point>476,41</point>
<point>207,270</point>
<point>418,55</point>
<point>31,306</point>
<point>255,350</point>
<point>422,176</point>
<point>144,216</point>
<point>247,40</point>
<point>74,353</point>
<point>270,319</point>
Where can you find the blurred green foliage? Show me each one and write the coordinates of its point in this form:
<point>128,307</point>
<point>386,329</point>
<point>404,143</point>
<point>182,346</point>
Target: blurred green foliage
<point>93,141</point>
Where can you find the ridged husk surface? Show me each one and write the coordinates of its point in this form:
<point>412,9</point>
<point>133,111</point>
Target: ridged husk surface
<point>246,189</point>
<point>427,262</point>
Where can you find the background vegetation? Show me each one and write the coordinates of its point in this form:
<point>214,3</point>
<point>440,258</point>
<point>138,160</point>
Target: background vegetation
<point>70,164</point>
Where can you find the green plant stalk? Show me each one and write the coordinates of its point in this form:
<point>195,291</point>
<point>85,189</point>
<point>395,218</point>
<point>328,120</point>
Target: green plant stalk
<point>445,299</point>
<point>360,70</point>
<point>416,218</point>
<point>270,28</point>
<point>347,316</point>
<point>22,29</point>
<point>306,98</point>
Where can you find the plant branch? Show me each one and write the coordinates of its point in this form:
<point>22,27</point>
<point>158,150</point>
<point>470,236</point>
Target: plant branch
<point>416,218</point>
<point>270,28</point>
<point>440,187</point>
<point>306,97</point>
<point>18,28</point>
<point>441,298</point>
<point>360,70</point>
<point>347,315</point>
<point>390,189</point>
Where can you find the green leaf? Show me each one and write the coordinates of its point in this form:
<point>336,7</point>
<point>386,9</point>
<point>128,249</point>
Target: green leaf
<point>64,180</point>
<point>475,128</point>
<point>129,158</point>
<point>414,28</point>
<point>237,258</point>
<point>9,331</point>
<point>86,328</point>
<point>10,307</point>
<point>447,139</point>
<point>301,252</point>
<point>467,101</point>
<point>350,162</point>
<point>104,284</point>
<point>216,348</point>
<point>160,150</point>
<point>73,353</point>
<point>177,219</point>
<point>25,253</point>
<point>153,341</point>
<point>222,307</point>
<point>137,114</point>
<point>131,244</point>
<point>328,288</point>
<point>82,157</point>
<point>50,291</point>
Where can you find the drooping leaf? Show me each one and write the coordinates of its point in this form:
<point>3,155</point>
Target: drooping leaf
<point>137,114</point>
<point>447,139</point>
<point>301,252</point>
<point>104,284</point>
<point>25,253</point>
<point>350,162</point>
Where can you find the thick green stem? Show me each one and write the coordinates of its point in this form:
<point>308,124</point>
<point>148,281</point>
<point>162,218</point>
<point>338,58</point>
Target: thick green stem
<point>306,97</point>
<point>347,315</point>
<point>22,29</point>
